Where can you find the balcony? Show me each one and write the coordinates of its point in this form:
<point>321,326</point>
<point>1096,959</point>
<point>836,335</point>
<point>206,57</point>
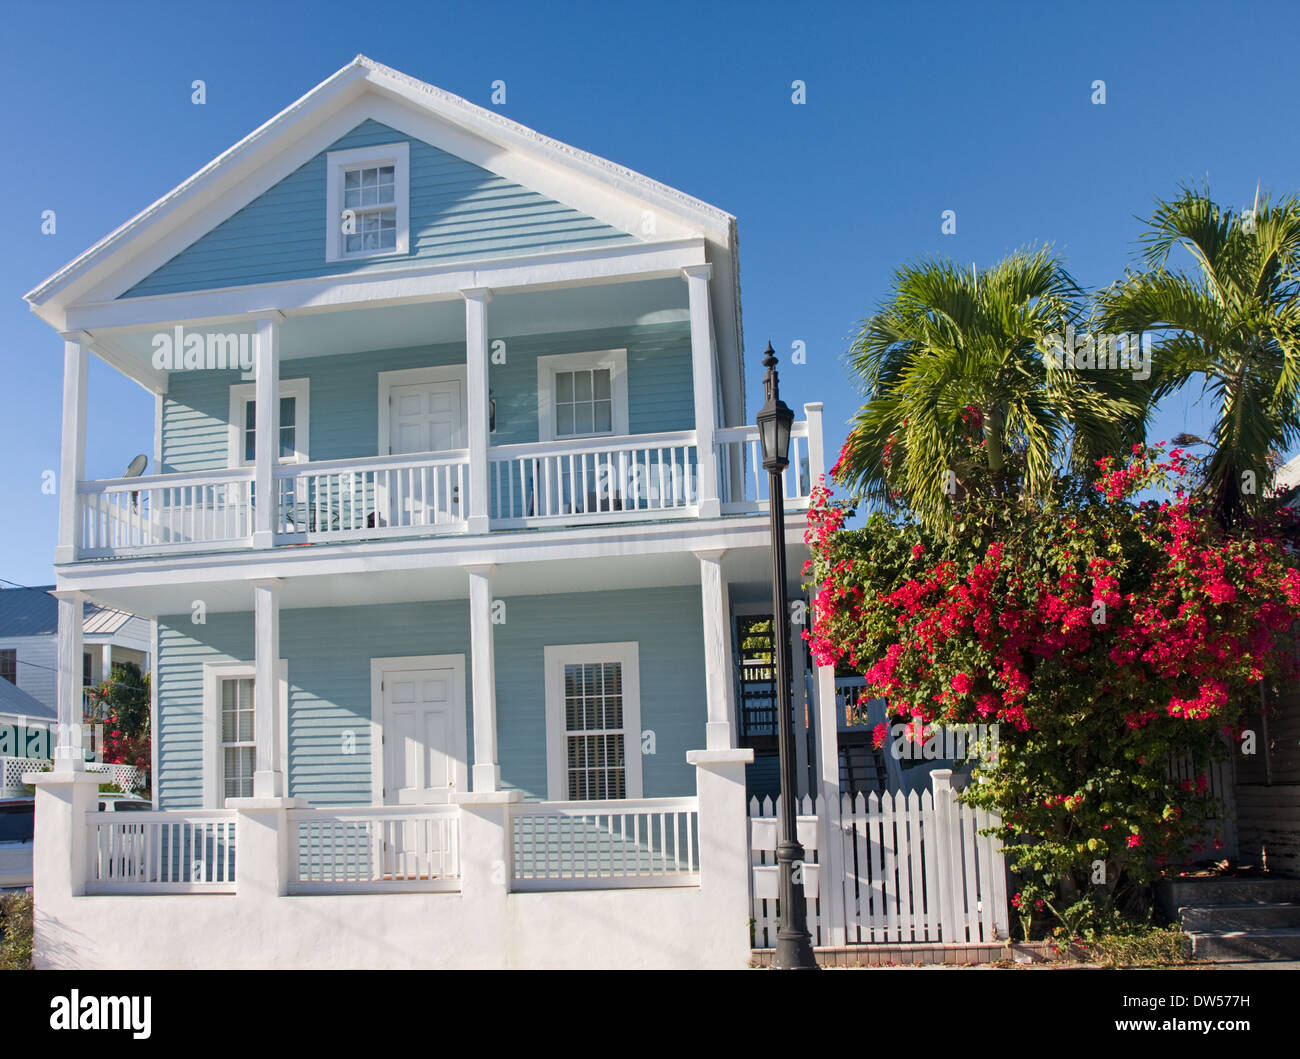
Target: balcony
<point>585,482</point>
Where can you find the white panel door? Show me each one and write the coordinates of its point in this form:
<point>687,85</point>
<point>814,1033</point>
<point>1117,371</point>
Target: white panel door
<point>426,417</point>
<point>423,417</point>
<point>423,734</point>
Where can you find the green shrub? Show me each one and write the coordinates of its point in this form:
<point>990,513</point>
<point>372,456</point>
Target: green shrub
<point>16,932</point>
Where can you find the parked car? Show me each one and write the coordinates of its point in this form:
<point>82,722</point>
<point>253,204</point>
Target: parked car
<point>123,803</point>
<point>17,825</point>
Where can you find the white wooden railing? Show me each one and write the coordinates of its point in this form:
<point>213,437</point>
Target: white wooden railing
<point>119,516</point>
<point>161,852</point>
<point>619,477</point>
<point>374,850</point>
<point>606,844</point>
<point>374,497</point>
<point>742,482</point>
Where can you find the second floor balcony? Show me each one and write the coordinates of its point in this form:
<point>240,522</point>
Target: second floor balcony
<point>309,436</point>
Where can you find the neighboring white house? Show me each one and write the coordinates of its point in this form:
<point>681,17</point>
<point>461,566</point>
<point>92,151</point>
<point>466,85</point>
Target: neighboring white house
<point>29,622</point>
<point>455,475</point>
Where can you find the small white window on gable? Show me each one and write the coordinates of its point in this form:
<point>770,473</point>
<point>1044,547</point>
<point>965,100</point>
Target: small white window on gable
<point>293,423</point>
<point>367,192</point>
<point>582,395</point>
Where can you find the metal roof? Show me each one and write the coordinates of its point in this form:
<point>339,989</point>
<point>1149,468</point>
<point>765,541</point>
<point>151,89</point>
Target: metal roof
<point>14,700</point>
<point>34,612</point>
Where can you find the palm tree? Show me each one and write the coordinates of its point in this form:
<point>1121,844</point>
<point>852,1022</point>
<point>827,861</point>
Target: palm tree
<point>958,390</point>
<point>1233,321</point>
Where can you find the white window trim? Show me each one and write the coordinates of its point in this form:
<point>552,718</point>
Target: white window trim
<point>614,359</point>
<point>213,674</point>
<point>378,667</point>
<point>396,154</point>
<point>242,393</point>
<point>409,376</point>
<point>628,653</point>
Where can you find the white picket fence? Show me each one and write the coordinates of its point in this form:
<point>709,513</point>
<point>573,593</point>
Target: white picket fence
<point>896,868</point>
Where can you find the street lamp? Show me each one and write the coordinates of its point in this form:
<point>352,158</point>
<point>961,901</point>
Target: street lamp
<point>793,942</point>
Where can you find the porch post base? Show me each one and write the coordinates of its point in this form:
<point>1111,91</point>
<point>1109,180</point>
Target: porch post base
<point>263,539</point>
<point>268,784</point>
<point>724,847</point>
<point>487,778</point>
<point>476,524</point>
<point>60,860</point>
<point>717,735</point>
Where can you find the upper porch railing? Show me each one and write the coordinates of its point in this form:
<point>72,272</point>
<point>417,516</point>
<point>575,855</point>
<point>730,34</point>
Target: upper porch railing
<point>583,481</point>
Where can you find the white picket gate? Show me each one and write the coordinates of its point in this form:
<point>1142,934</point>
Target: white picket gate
<point>896,868</point>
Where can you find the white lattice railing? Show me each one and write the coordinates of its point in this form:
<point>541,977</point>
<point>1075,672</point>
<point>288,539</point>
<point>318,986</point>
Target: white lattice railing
<point>618,477</point>
<point>125,777</point>
<point>742,482</point>
<point>161,852</point>
<point>374,497</point>
<point>606,844</point>
<point>372,850</point>
<point>176,511</point>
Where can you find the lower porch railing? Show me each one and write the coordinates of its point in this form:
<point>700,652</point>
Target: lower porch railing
<point>163,852</point>
<point>606,844</point>
<point>374,850</point>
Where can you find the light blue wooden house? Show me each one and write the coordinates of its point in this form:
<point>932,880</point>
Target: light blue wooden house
<point>452,506</point>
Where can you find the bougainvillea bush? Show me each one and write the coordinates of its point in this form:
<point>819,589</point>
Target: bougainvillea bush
<point>1105,637</point>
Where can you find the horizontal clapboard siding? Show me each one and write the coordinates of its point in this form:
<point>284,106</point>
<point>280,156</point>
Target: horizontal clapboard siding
<point>328,653</point>
<point>345,392</point>
<point>458,211</point>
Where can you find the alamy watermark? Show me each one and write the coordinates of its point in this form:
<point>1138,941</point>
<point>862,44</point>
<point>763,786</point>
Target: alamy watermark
<point>916,741</point>
<point>1099,352</point>
<point>176,350</point>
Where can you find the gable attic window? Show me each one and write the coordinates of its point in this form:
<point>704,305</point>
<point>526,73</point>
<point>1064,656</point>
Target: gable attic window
<point>367,197</point>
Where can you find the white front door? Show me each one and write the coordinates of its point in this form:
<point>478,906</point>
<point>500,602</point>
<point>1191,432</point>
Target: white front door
<point>423,417</point>
<point>423,733</point>
<point>426,417</point>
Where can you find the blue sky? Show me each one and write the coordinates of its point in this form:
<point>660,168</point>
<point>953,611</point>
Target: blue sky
<point>911,110</point>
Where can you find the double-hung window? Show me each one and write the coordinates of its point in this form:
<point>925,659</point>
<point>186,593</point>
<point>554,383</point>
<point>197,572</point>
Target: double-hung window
<point>292,423</point>
<point>582,395</point>
<point>9,664</point>
<point>367,202</point>
<point>238,745</point>
<point>593,722</point>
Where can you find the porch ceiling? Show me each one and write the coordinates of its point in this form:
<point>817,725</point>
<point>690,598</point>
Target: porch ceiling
<point>322,332</point>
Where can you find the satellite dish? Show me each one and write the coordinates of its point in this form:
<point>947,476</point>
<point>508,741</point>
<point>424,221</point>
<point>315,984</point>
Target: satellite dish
<point>134,469</point>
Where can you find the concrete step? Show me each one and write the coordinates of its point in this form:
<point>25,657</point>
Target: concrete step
<point>1173,894</point>
<point>1217,919</point>
<point>1275,944</point>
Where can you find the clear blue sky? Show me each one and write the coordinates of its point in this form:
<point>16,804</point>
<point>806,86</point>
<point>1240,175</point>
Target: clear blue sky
<point>911,110</point>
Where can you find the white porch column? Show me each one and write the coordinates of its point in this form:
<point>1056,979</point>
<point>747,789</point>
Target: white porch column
<point>828,804</point>
<point>812,412</point>
<point>267,426</point>
<point>487,773</point>
<point>69,752</point>
<point>704,375</point>
<point>72,461</point>
<point>719,676</point>
<point>106,661</point>
<point>476,378</point>
<point>268,780</point>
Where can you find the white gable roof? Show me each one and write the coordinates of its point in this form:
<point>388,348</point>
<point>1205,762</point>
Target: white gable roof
<point>596,186</point>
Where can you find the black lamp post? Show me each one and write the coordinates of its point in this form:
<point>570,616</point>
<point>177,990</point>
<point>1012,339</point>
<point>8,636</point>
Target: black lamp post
<point>793,942</point>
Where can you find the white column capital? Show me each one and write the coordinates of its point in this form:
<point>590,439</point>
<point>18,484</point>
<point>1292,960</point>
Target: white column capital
<point>704,271</point>
<point>274,316</point>
<point>81,338</point>
<point>483,569</point>
<point>71,595</point>
<point>483,294</point>
<point>812,406</point>
<point>266,582</point>
<point>712,555</point>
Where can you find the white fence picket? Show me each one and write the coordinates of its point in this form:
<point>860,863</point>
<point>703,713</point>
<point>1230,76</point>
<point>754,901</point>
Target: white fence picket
<point>914,869</point>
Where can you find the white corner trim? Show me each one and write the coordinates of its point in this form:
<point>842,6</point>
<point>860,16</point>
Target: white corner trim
<point>628,653</point>
<point>380,666</point>
<point>396,154</point>
<point>243,392</point>
<point>408,376</point>
<point>213,673</point>
<point>547,366</point>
